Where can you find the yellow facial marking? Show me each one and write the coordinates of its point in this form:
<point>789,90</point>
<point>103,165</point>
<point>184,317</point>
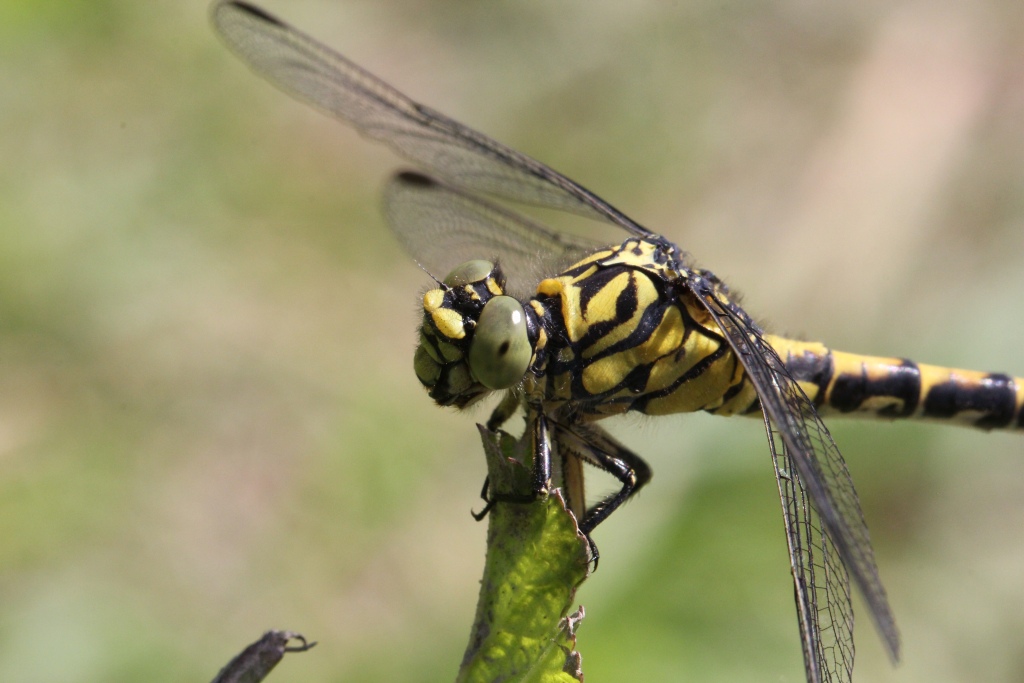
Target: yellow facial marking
<point>433,299</point>
<point>448,322</point>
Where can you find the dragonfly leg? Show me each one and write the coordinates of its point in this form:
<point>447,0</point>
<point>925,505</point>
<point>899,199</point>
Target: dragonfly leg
<point>540,444</point>
<point>488,501</point>
<point>595,446</point>
<point>504,411</point>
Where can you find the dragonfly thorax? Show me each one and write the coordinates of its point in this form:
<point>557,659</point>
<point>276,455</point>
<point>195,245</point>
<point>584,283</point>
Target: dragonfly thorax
<point>625,332</point>
<point>474,338</point>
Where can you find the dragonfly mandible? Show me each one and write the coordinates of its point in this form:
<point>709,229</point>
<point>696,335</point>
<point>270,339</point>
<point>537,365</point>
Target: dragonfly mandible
<point>632,327</point>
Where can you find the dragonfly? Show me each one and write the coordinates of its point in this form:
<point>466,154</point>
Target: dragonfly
<point>572,331</point>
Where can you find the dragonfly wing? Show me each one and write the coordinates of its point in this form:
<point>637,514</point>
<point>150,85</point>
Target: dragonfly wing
<point>442,225</point>
<point>809,447</point>
<point>310,71</point>
<point>821,583</point>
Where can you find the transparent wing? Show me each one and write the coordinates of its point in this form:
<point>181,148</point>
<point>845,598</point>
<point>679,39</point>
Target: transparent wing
<point>310,71</point>
<point>442,226</point>
<point>814,464</point>
<point>821,583</point>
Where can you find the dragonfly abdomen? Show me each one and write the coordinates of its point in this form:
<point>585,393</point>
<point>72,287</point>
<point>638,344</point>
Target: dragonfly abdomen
<point>842,383</point>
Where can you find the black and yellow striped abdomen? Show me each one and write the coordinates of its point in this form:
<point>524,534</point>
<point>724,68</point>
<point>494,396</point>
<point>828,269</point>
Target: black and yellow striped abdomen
<point>622,335</point>
<point>892,388</point>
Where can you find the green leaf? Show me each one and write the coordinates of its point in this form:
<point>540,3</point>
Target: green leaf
<point>536,559</point>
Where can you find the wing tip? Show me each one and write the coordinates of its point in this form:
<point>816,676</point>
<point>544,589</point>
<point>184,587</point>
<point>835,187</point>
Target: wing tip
<point>893,645</point>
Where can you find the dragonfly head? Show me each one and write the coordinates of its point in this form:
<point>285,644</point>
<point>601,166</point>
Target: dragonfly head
<point>474,339</point>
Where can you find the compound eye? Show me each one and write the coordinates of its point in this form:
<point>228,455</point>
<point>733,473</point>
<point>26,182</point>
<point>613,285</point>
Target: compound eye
<point>500,351</point>
<point>469,272</point>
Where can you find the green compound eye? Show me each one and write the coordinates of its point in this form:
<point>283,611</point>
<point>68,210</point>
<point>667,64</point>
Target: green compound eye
<point>500,351</point>
<point>469,272</point>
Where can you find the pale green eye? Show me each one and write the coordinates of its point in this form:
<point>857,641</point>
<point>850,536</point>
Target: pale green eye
<point>469,272</point>
<point>500,351</point>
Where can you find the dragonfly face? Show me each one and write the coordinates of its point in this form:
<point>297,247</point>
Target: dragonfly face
<point>474,338</point>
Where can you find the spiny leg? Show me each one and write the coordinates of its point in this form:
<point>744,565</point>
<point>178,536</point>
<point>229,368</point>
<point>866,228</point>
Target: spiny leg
<point>595,446</point>
<point>540,446</point>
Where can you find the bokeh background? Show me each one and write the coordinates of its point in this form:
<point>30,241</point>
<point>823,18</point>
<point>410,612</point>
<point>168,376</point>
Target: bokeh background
<point>209,425</point>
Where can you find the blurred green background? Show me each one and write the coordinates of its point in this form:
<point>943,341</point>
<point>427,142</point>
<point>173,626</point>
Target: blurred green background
<point>209,424</point>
